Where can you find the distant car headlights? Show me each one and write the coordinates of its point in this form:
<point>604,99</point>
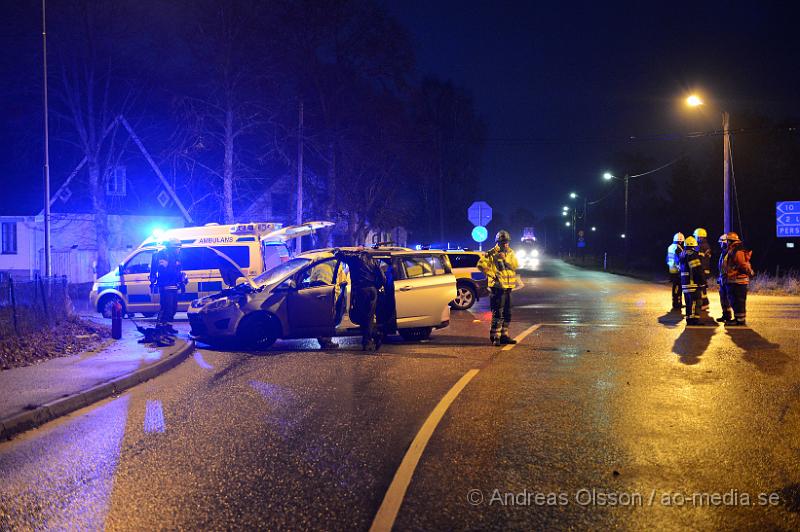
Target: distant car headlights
<point>535,253</point>
<point>521,254</point>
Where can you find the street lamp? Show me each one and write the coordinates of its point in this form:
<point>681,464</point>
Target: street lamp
<point>573,195</point>
<point>695,101</point>
<point>609,176</point>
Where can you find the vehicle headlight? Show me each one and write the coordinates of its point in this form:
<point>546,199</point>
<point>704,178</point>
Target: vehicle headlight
<point>535,253</point>
<point>521,253</point>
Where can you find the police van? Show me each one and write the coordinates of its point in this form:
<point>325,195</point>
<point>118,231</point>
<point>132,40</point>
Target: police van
<point>255,247</point>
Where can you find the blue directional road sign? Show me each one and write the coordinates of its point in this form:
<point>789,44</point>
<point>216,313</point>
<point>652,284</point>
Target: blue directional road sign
<point>479,213</point>
<point>787,218</point>
<point>480,234</point>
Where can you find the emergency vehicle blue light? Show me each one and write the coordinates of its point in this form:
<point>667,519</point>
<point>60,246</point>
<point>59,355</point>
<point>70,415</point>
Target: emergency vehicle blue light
<point>158,232</point>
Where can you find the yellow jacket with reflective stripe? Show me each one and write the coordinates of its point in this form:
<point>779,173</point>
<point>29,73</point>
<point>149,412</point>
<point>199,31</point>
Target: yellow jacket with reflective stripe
<point>499,271</point>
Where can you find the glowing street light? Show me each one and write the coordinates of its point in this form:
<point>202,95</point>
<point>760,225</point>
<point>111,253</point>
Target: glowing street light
<point>622,235</point>
<point>573,195</point>
<point>608,176</point>
<point>694,100</point>
<point>567,224</point>
<point>594,228</point>
<point>565,208</point>
<point>563,213</point>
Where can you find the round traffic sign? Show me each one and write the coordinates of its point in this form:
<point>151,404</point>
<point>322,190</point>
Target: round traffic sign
<point>479,233</point>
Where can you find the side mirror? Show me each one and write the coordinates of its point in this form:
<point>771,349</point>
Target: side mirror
<point>121,270</point>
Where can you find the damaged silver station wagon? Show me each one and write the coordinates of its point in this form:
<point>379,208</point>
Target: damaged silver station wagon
<point>309,297</point>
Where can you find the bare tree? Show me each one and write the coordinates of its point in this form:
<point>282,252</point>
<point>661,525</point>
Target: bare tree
<point>220,142</point>
<point>90,98</point>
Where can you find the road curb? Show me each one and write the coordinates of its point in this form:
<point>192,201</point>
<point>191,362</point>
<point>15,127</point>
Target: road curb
<point>60,407</point>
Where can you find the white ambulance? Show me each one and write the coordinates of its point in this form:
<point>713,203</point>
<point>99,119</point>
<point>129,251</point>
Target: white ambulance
<point>255,247</point>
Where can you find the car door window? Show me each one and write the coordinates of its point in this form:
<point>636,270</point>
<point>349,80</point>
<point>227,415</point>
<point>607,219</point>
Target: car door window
<point>435,262</point>
<point>464,260</point>
<point>140,263</point>
<point>416,267</point>
<point>320,274</point>
<point>199,258</point>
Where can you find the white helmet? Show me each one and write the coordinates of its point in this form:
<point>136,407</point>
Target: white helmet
<point>723,239</point>
<point>678,237</point>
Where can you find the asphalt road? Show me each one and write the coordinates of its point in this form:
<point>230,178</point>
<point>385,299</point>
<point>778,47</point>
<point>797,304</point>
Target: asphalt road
<point>610,413</point>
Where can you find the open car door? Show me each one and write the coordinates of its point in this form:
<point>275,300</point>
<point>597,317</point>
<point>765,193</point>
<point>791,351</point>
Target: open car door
<point>295,231</point>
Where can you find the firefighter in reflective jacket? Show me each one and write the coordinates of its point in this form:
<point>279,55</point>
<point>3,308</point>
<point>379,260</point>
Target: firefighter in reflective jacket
<point>500,265</point>
<point>722,281</point>
<point>738,271</point>
<point>701,235</point>
<point>673,256</point>
<point>692,280</point>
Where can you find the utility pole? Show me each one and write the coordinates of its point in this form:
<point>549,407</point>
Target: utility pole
<point>726,193</point>
<point>585,215</point>
<point>299,217</point>
<point>47,257</point>
<point>625,243</point>
<point>626,206</point>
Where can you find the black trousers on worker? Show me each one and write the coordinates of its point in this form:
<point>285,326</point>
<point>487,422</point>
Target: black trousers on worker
<point>737,296</point>
<point>694,302</point>
<point>706,303</point>
<point>500,302</point>
<point>168,298</point>
<point>724,299</point>
<point>365,301</point>
<point>676,289</point>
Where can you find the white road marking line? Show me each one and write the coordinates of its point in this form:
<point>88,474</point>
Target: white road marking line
<point>387,513</point>
<point>591,325</point>
<point>154,417</point>
<point>522,336</point>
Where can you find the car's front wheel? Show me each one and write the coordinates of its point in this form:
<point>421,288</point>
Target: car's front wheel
<point>416,334</point>
<point>465,297</point>
<point>256,332</point>
<point>106,305</point>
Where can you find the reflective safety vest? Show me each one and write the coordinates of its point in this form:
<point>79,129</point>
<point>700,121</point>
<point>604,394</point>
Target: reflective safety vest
<point>692,276</point>
<point>500,272</point>
<point>673,257</point>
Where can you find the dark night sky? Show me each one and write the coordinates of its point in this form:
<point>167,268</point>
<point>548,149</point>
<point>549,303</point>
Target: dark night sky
<point>558,85</point>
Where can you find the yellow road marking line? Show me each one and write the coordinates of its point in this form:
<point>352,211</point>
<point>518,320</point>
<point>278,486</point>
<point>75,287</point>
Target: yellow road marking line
<point>522,336</point>
<point>387,513</point>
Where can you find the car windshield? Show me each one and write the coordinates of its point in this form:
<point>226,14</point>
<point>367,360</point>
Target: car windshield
<point>279,272</point>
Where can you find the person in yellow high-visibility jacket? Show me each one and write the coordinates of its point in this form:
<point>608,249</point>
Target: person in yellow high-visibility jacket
<point>500,265</point>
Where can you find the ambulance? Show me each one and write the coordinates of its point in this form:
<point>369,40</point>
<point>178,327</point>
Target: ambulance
<point>255,247</point>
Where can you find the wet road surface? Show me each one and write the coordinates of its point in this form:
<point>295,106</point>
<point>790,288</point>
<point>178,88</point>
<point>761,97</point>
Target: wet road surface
<point>610,413</point>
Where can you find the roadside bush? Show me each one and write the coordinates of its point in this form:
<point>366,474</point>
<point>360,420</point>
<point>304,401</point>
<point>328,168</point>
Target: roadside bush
<point>787,284</point>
